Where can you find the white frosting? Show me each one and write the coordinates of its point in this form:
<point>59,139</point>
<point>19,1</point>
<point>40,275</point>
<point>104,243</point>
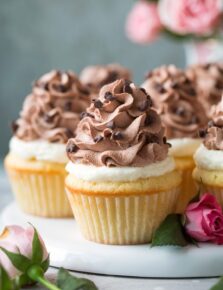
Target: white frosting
<point>183,146</point>
<point>92,173</point>
<point>209,159</point>
<point>39,149</point>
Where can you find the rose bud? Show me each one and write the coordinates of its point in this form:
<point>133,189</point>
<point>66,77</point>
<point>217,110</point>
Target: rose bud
<point>21,251</point>
<point>143,23</point>
<point>204,220</point>
<point>186,16</point>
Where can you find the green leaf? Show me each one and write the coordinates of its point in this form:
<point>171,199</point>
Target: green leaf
<point>170,233</point>
<point>218,285</point>
<point>20,262</point>
<point>45,264</point>
<point>5,282</point>
<point>65,281</point>
<point>37,249</point>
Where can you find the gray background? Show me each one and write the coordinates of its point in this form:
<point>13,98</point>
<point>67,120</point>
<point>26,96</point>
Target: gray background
<point>39,35</point>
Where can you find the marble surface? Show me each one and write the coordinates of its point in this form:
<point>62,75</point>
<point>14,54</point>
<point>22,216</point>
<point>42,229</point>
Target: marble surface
<point>116,283</point>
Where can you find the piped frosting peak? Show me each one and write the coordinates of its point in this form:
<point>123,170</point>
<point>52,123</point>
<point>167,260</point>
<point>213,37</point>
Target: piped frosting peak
<point>96,76</point>
<point>51,112</point>
<point>175,99</point>
<point>119,129</point>
<point>213,135</point>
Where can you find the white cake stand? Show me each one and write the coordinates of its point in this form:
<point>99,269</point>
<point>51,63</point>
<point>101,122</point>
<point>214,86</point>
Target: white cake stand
<point>70,250</point>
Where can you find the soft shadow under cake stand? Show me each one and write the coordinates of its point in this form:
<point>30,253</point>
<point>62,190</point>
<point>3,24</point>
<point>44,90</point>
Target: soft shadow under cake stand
<point>70,250</point>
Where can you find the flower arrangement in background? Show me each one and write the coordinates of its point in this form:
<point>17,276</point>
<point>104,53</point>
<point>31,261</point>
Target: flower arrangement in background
<point>182,19</point>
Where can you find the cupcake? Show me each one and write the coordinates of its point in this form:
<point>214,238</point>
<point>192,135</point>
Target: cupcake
<point>209,156</point>
<point>37,157</point>
<point>208,79</point>
<point>96,76</point>
<point>182,114</point>
<point>121,183</point>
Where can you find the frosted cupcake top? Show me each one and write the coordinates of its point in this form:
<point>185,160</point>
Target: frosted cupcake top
<point>209,82</point>
<point>51,112</point>
<point>175,99</point>
<point>96,76</point>
<point>119,129</point>
<point>213,135</point>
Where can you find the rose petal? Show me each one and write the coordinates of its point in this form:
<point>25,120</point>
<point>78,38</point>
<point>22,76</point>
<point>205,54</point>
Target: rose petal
<point>207,200</point>
<point>186,16</point>
<point>143,23</point>
<point>4,260</point>
<point>194,226</point>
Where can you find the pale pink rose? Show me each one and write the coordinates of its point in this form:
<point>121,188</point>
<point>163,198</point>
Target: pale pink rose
<point>5,262</point>
<point>204,220</point>
<point>143,23</point>
<point>190,16</point>
<point>18,240</point>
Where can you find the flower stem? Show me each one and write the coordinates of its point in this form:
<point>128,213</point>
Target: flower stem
<point>36,273</point>
<point>47,284</point>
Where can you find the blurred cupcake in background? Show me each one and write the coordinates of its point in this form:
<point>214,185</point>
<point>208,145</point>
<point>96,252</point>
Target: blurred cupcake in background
<point>37,156</point>
<point>209,156</point>
<point>175,99</point>
<point>208,79</point>
<point>121,183</point>
<point>96,76</point>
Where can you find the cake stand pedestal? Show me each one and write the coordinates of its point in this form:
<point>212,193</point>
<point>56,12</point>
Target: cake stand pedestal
<point>70,250</point>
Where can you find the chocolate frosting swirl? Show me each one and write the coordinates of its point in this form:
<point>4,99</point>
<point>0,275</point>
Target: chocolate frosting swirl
<point>120,129</point>
<point>209,82</point>
<point>175,99</point>
<point>52,111</point>
<point>213,135</point>
<point>96,76</point>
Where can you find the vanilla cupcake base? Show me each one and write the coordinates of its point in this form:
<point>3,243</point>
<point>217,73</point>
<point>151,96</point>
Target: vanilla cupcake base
<point>38,186</point>
<point>209,181</point>
<point>122,212</point>
<point>185,165</point>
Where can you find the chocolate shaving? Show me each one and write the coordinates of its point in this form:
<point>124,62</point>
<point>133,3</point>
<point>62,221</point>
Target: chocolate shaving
<point>60,88</point>
<point>117,135</point>
<point>71,148</point>
<point>69,133</point>
<point>14,126</point>
<point>85,114</point>
<point>98,104</point>
<point>108,96</point>
<point>202,133</point>
<point>160,89</point>
<point>48,118</point>
<point>98,138</point>
<point>144,91</point>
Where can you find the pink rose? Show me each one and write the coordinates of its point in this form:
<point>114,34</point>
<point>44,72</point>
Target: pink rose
<point>204,220</point>
<point>190,16</point>
<point>143,22</point>
<point>20,241</point>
